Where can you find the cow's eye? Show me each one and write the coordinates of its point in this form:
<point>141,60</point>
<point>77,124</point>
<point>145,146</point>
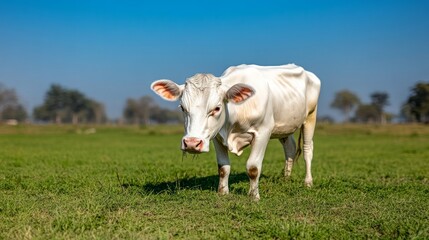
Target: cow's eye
<point>215,111</point>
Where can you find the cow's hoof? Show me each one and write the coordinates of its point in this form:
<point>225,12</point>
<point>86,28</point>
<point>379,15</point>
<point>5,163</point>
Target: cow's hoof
<point>223,191</point>
<point>254,196</point>
<point>287,176</point>
<point>308,184</point>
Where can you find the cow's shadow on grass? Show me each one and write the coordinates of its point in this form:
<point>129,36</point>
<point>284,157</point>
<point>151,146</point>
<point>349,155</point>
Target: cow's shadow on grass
<point>190,183</point>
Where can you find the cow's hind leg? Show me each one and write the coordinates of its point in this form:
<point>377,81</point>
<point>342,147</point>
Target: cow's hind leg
<point>224,167</point>
<point>308,133</point>
<point>289,148</point>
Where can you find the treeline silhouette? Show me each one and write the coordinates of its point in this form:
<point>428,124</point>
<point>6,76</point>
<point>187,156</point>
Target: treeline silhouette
<point>414,109</point>
<point>63,105</point>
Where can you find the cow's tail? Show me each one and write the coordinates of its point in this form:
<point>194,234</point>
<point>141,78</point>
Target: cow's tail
<point>299,147</point>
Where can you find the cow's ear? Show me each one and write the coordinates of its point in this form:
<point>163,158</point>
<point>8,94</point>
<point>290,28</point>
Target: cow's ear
<point>239,93</point>
<point>167,89</point>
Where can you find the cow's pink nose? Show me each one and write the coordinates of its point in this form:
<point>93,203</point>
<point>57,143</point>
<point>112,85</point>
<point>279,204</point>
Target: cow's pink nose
<point>192,144</point>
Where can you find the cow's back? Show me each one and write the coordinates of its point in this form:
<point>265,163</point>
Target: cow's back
<point>284,95</point>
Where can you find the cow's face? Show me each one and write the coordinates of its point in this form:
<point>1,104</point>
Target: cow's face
<point>203,102</point>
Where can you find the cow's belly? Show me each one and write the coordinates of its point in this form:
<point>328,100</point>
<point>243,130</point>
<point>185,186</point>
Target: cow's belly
<point>285,125</point>
<point>284,130</point>
<point>289,111</point>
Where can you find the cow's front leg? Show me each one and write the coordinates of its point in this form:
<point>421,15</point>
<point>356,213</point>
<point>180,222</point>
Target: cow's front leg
<point>254,163</point>
<point>224,167</point>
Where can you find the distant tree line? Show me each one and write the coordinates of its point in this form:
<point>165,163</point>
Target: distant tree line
<point>348,102</point>
<point>415,109</point>
<point>144,110</point>
<point>63,105</point>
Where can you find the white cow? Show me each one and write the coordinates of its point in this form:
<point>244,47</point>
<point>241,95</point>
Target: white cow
<point>247,105</point>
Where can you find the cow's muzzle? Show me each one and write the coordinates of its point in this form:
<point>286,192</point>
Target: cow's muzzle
<point>192,144</point>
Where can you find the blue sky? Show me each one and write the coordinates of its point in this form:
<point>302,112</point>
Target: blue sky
<point>112,50</point>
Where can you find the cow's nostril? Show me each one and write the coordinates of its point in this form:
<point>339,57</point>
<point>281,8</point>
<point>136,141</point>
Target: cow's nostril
<point>199,143</point>
<point>184,143</point>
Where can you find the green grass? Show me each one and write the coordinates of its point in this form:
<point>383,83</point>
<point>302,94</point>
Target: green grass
<point>132,183</point>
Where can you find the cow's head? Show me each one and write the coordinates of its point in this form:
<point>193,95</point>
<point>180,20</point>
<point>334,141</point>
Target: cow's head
<point>203,102</point>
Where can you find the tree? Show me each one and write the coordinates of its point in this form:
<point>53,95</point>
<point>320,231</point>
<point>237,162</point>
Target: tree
<point>77,103</point>
<point>418,102</point>
<point>56,102</point>
<point>146,104</point>
<point>406,114</point>
<point>138,111</point>
<point>14,112</point>
<point>95,112</point>
<point>379,100</point>
<point>10,108</point>
<point>345,101</point>
<point>366,113</point>
<point>41,113</point>
<point>131,111</point>
<point>67,105</point>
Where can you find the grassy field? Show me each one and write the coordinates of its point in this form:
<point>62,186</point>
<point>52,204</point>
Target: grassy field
<point>132,183</point>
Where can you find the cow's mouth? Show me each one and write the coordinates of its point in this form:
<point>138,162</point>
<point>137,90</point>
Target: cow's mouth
<point>191,151</point>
